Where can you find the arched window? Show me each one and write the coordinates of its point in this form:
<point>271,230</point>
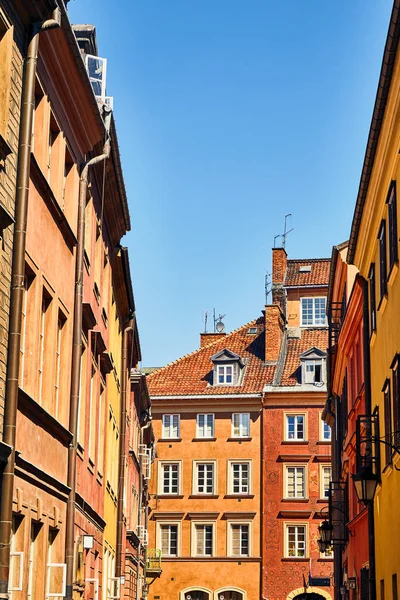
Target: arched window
<point>196,593</point>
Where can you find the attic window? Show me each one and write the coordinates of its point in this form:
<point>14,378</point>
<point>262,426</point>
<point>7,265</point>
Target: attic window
<point>252,330</point>
<point>228,368</point>
<point>313,367</point>
<point>305,269</point>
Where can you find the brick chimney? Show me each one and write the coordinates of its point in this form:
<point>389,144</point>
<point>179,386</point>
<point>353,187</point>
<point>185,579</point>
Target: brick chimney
<point>208,338</point>
<point>274,324</point>
<point>279,264</point>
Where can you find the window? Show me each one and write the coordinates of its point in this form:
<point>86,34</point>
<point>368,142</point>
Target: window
<point>43,342</point>
<point>372,298</point>
<point>23,332</point>
<point>169,540</point>
<point>326,477</point>
<point>396,400</point>
<point>6,51</point>
<point>394,587</point>
<point>225,374</point>
<point>170,478</point>
<point>296,539</point>
<point>171,426</point>
<point>313,371</point>
<point>387,402</point>
<point>382,259</point>
<point>239,539</point>
<point>392,215</point>
<point>204,540</point>
<point>204,478</point>
<point>239,477</point>
<point>241,425</point>
<point>295,427</point>
<point>59,348</point>
<point>92,412</point>
<point>313,312</point>
<point>326,432</point>
<point>205,426</point>
<point>295,482</point>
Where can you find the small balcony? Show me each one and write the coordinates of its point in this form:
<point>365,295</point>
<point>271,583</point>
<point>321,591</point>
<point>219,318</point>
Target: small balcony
<point>153,563</point>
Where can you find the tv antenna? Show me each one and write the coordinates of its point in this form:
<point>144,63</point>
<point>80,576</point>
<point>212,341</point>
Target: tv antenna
<point>205,320</point>
<point>285,231</point>
<point>275,238</point>
<point>267,286</point>
<point>219,326</point>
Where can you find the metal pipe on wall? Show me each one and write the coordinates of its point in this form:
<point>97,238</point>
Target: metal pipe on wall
<point>77,355</point>
<point>17,290</point>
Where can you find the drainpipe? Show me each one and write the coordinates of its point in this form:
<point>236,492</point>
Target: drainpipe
<point>77,354</point>
<point>17,289</point>
<point>368,411</point>
<point>122,446</point>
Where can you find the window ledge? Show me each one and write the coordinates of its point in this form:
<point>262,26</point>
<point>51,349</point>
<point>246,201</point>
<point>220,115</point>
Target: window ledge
<point>372,338</point>
<point>295,442</point>
<point>239,439</point>
<point>324,442</point>
<point>201,439</point>
<point>169,439</point>
<point>239,496</point>
<point>91,466</point>
<point>170,496</point>
<point>327,559</point>
<point>382,303</point>
<point>296,500</point>
<point>294,559</point>
<point>393,273</point>
<point>204,496</point>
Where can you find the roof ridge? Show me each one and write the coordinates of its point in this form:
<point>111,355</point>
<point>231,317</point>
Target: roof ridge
<point>174,362</point>
<point>293,260</point>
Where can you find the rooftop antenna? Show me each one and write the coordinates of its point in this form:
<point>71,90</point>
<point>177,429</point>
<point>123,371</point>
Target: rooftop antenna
<point>205,320</point>
<point>267,286</point>
<point>219,326</point>
<point>275,238</point>
<point>286,232</point>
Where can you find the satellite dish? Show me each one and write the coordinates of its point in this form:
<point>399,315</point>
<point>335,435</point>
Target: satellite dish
<point>220,328</point>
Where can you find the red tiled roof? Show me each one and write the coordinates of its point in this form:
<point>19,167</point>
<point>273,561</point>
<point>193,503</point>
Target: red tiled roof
<point>319,274</point>
<point>191,374</point>
<point>309,339</point>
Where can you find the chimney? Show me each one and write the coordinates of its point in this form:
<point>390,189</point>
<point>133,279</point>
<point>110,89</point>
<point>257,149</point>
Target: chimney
<point>279,264</point>
<point>208,338</point>
<point>273,332</point>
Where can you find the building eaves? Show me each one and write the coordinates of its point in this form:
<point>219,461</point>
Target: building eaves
<point>385,79</point>
<point>120,178</point>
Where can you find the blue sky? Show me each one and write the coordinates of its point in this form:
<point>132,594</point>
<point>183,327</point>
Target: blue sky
<point>231,114</point>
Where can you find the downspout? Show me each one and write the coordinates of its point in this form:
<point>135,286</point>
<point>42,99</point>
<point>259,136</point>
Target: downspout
<point>368,411</point>
<point>77,354</point>
<point>122,446</point>
<point>17,290</point>
<point>141,508</point>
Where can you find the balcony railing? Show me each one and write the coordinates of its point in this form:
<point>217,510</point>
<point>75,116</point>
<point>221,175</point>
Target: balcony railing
<point>335,319</point>
<point>153,562</point>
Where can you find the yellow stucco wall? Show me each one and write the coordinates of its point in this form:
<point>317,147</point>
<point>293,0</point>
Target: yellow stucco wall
<point>386,343</point>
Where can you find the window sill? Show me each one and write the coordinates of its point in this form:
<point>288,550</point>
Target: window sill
<point>372,338</point>
<point>324,442</point>
<point>80,451</point>
<point>239,439</point>
<point>164,440</point>
<point>210,439</point>
<point>204,496</point>
<point>322,500</point>
<point>297,500</point>
<point>238,496</point>
<point>170,496</point>
<point>327,559</point>
<point>91,466</point>
<point>393,273</point>
<point>382,303</point>
<point>295,442</point>
<point>295,559</point>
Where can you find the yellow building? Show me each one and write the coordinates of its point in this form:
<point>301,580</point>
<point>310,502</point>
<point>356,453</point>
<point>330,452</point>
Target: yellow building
<point>373,249</point>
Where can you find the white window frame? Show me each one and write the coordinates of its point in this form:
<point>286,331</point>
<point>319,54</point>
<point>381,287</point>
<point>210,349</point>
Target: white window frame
<point>241,427</point>
<point>117,581</point>
<point>313,299</point>
<point>305,428</point>
<point>321,479</point>
<point>222,370</point>
<point>196,463</point>
<point>167,432</point>
<point>286,526</point>
<point>194,524</point>
<point>161,464</point>
<point>321,430</point>
<point>305,481</point>
<point>19,587</point>
<point>230,524</point>
<point>103,79</point>
<point>231,463</point>
<point>308,362</point>
<point>159,526</point>
<point>63,567</point>
<point>205,415</point>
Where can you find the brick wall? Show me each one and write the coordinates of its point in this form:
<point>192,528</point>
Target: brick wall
<point>273,332</point>
<point>8,172</point>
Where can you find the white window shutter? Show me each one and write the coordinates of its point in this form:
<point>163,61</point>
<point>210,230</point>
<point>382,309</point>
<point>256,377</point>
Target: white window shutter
<point>56,580</point>
<point>16,572</point>
<point>114,588</point>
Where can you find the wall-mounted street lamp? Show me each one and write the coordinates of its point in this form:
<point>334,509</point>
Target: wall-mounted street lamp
<point>365,482</point>
<point>326,540</point>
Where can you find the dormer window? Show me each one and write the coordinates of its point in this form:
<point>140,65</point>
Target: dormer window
<point>313,366</point>
<point>228,368</point>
